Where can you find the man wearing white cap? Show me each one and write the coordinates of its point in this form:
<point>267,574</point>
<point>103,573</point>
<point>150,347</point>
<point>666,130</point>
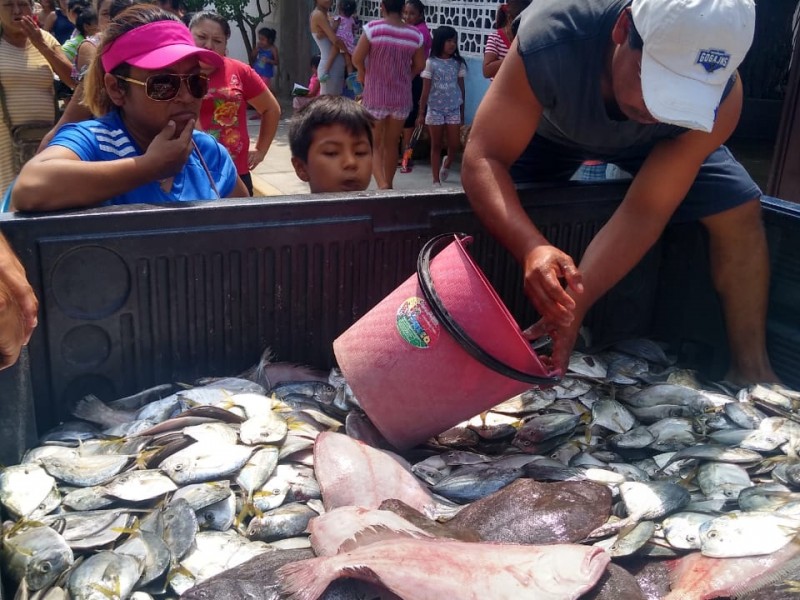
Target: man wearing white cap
<point>650,85</point>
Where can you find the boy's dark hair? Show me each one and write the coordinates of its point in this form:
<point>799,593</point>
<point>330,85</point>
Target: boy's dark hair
<point>324,111</point>
<point>635,40</point>
<point>348,7</point>
<point>418,5</point>
<point>315,60</point>
<point>394,6</point>
<point>86,18</point>
<point>440,36</point>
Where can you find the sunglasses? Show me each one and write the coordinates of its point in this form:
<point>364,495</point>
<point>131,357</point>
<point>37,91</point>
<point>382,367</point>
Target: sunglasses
<point>166,86</point>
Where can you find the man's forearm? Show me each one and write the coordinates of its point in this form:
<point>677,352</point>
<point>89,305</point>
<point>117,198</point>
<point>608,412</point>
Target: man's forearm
<point>494,198</point>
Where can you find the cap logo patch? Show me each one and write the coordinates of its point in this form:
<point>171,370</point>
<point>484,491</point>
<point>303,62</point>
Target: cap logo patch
<point>713,59</point>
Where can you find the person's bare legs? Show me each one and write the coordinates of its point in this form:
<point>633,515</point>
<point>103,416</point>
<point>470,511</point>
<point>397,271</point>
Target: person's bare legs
<point>436,133</point>
<point>379,135</point>
<point>453,144</point>
<point>740,271</point>
<point>393,128</point>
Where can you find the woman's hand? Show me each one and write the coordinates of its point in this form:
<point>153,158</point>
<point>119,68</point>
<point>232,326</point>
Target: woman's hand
<point>167,153</point>
<point>32,31</point>
<point>255,157</point>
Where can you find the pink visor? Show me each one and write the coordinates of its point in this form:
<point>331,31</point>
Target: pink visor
<point>155,46</point>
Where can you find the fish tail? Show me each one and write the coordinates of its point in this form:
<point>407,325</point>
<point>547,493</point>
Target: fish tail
<point>305,579</point>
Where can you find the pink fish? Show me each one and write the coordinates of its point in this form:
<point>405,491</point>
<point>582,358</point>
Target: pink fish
<point>433,570</point>
<point>698,577</point>
<point>351,473</point>
<point>347,527</point>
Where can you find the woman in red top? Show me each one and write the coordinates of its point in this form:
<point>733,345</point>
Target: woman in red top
<point>499,42</point>
<point>223,113</point>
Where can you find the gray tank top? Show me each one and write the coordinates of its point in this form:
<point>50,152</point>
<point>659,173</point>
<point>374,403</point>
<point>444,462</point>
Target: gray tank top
<point>563,44</point>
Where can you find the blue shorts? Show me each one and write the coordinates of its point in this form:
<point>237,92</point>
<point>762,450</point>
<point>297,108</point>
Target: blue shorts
<point>722,183</point>
<point>443,117</point>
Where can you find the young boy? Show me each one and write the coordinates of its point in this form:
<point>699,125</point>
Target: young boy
<point>331,145</point>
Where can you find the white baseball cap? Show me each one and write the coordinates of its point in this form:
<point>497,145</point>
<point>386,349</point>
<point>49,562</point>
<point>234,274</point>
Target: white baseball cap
<point>691,49</point>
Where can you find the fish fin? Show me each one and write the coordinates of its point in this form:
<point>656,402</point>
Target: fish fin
<point>22,590</point>
<point>378,533</point>
<point>790,568</point>
<point>608,529</point>
<point>306,579</point>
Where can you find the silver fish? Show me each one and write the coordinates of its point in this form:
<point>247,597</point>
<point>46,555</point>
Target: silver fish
<point>592,366</point>
<point>682,529</point>
<point>150,552</point>
<point>200,495</point>
<point>219,516</point>
<point>104,575</point>
<point>204,462</point>
<point>38,555</point>
<point>85,471</point>
<point>269,428</point>
<point>289,520</point>
<point>646,501</point>
<point>527,402</point>
<point>638,437</point>
<point>91,529</point>
<point>716,453</point>
<point>214,432</point>
<point>722,480</point>
<point>90,498</point>
<point>746,534</point>
<point>468,484</point>
<point>613,416</point>
<point>257,470</point>
<point>744,414</point>
<point>180,527</point>
<point>136,486</point>
<point>27,490</point>
<point>213,553</point>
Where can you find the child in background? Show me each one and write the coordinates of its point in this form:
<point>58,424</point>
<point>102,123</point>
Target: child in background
<point>331,145</point>
<point>299,102</point>
<point>441,106</point>
<point>265,54</point>
<point>345,26</point>
<point>414,14</point>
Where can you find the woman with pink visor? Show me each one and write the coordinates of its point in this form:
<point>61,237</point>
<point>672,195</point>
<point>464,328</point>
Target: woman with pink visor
<point>147,82</point>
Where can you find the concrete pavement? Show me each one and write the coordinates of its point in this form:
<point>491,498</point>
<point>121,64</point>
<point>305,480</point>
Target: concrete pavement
<point>276,177</point>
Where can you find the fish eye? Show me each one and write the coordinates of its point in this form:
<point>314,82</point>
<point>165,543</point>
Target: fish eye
<point>690,538</point>
<point>45,567</point>
<point>179,467</point>
<point>712,534</point>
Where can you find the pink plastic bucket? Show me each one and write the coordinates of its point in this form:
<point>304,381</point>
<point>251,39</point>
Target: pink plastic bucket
<point>431,353</point>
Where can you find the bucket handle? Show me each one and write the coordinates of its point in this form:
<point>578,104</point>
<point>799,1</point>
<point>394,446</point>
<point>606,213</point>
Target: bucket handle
<point>454,329</point>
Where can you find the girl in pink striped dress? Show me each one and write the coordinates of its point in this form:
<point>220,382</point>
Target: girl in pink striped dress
<point>388,56</point>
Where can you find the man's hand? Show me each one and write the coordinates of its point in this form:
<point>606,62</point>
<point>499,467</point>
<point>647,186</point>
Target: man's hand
<point>564,338</point>
<point>168,153</point>
<point>18,306</point>
<point>544,269</point>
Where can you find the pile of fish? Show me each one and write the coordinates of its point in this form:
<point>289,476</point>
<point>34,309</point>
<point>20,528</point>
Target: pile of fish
<point>630,479</point>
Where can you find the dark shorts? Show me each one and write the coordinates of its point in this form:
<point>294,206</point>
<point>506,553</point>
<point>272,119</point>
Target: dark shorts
<point>247,178</point>
<point>722,183</point>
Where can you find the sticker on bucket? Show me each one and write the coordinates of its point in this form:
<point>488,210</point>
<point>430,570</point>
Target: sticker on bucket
<point>416,323</point>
